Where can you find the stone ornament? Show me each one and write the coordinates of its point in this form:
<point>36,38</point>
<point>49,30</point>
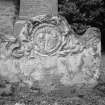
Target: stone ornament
<point>49,52</point>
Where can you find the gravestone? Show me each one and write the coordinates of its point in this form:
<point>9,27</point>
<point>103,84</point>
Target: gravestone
<point>36,57</point>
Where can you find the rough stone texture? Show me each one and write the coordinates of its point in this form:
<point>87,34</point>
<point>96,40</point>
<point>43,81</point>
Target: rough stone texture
<point>18,26</point>
<point>7,11</point>
<point>75,62</point>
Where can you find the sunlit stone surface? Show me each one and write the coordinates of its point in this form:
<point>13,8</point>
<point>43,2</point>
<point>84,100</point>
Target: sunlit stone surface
<point>48,51</point>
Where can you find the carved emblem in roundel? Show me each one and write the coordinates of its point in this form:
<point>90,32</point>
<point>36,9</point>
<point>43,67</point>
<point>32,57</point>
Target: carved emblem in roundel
<point>47,36</point>
<point>47,39</point>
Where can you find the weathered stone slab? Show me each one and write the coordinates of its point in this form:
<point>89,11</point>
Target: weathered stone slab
<point>31,8</point>
<point>75,61</point>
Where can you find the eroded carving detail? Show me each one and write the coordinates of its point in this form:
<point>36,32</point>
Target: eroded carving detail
<point>47,48</point>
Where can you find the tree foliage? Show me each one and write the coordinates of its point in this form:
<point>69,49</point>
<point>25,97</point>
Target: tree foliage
<point>90,12</point>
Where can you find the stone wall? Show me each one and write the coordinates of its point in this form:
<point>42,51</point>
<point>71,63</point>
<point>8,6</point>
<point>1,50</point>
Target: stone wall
<point>7,13</point>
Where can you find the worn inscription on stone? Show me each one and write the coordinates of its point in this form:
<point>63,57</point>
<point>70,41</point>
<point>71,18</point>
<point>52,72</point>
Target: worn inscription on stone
<point>30,8</point>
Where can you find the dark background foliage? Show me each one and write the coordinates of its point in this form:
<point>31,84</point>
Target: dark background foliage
<point>83,13</point>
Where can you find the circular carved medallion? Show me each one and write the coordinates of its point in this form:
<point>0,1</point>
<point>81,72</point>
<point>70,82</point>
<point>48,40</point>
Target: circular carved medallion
<point>47,39</point>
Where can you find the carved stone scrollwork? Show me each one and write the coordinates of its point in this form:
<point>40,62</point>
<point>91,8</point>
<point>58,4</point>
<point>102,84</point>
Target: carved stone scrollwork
<point>47,50</point>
